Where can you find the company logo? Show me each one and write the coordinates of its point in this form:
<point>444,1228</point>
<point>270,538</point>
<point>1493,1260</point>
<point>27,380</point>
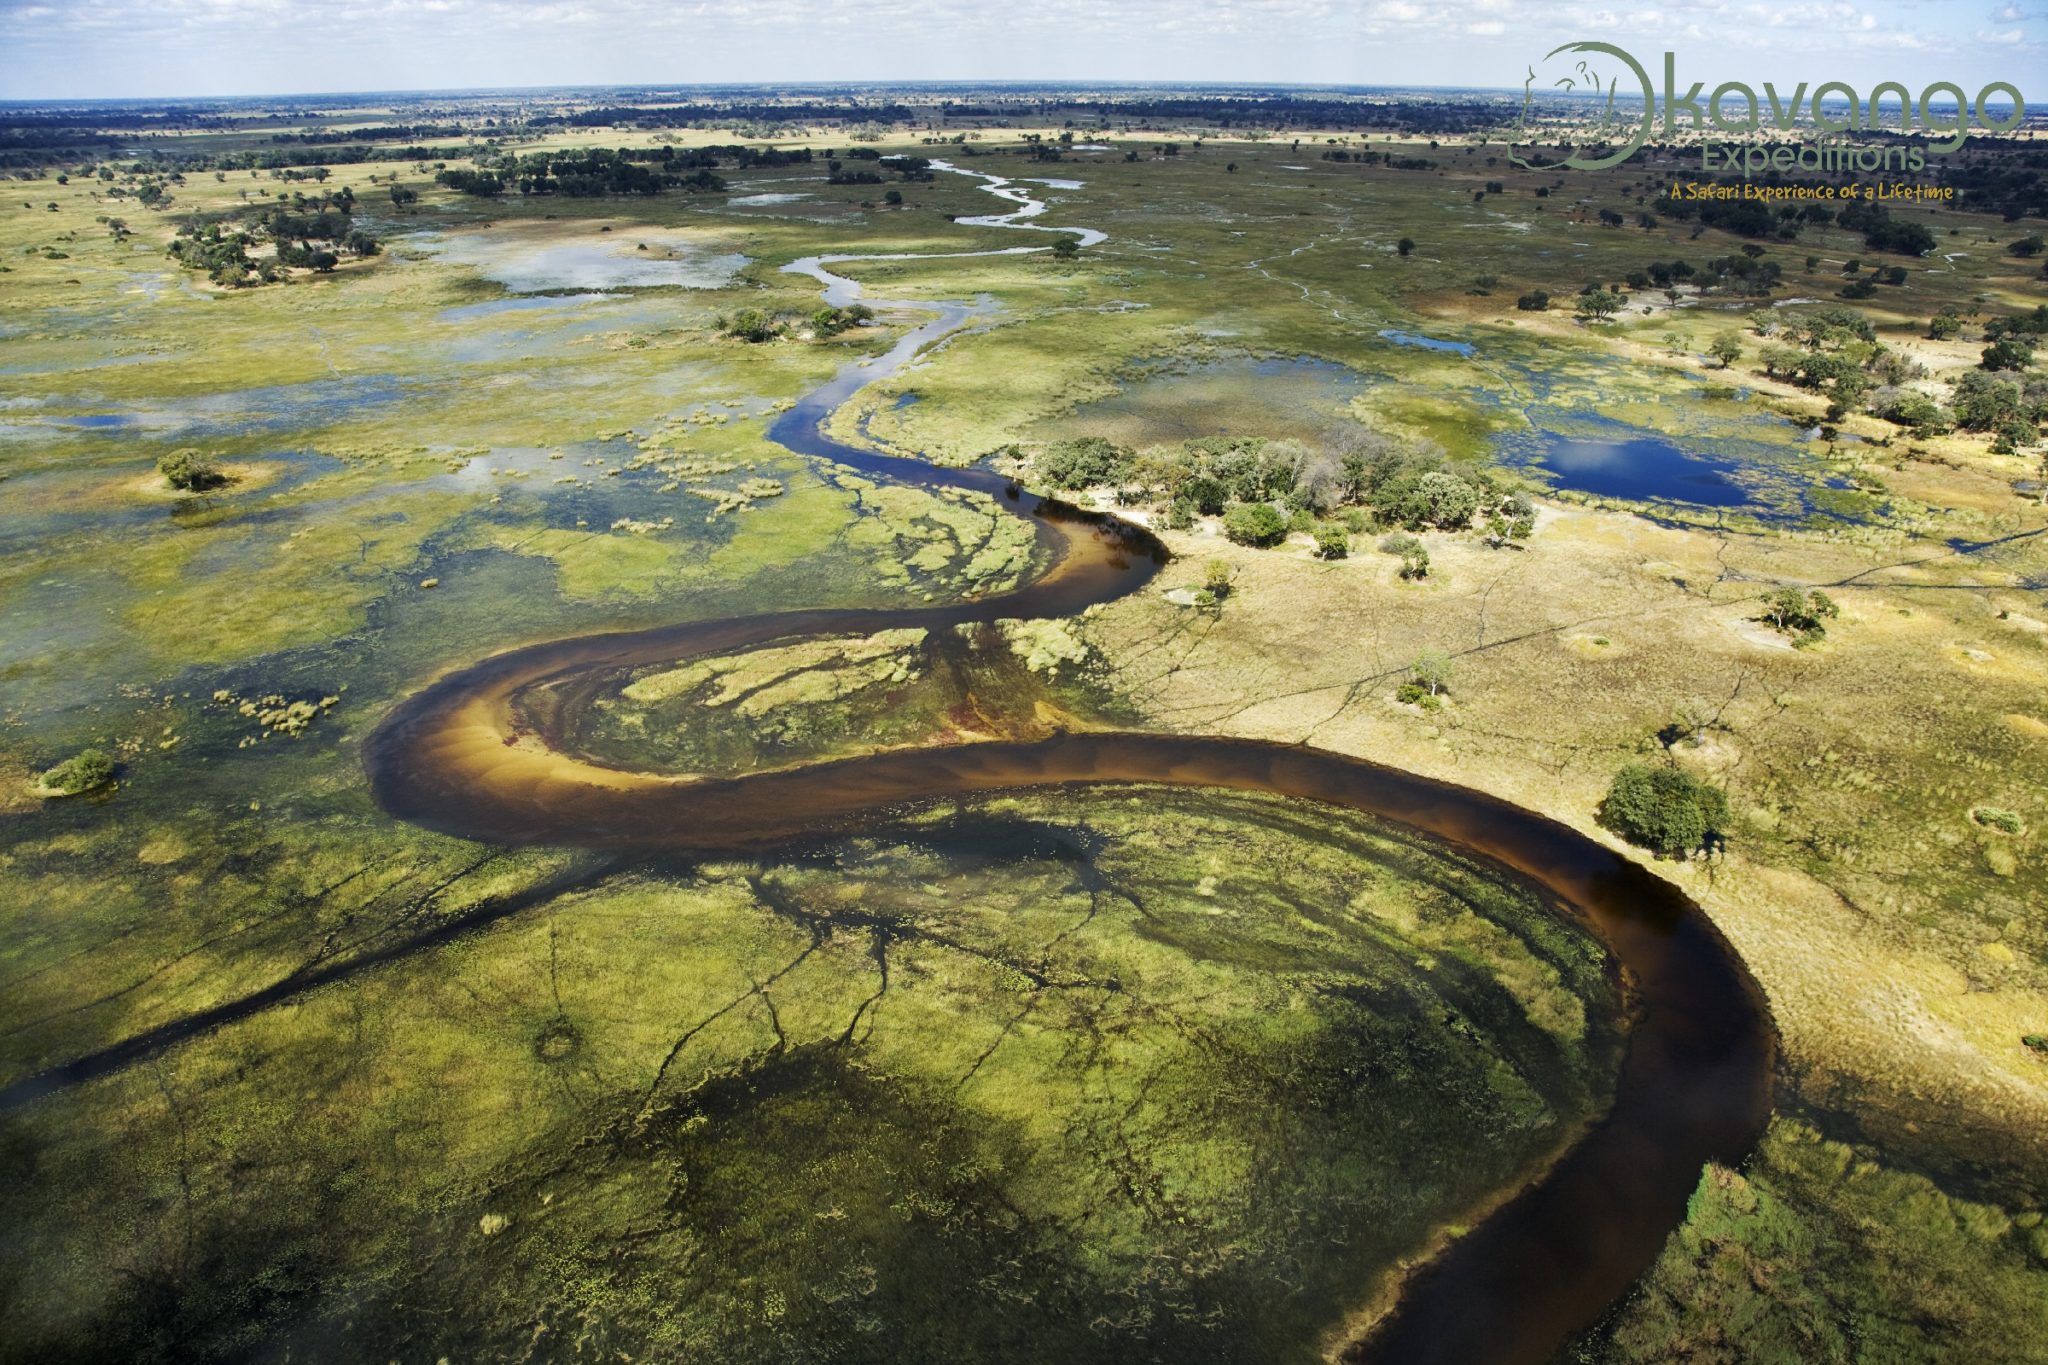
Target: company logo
<point>1588,70</point>
<point>1591,105</point>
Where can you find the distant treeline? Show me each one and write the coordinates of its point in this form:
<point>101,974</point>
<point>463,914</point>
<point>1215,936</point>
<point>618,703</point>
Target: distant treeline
<point>2001,175</point>
<point>1389,159</point>
<point>624,170</point>
<point>1277,112</point>
<point>745,111</point>
<point>1281,112</point>
<point>321,156</point>
<point>392,132</point>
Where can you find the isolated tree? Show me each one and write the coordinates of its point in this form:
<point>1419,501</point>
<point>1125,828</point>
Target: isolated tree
<point>1432,671</point>
<point>1726,348</point>
<point>1405,245</point>
<point>1799,613</point>
<point>1664,809</point>
<point>1688,719</point>
<point>1065,249</point>
<point>1597,305</point>
<point>189,471</point>
<point>1333,541</point>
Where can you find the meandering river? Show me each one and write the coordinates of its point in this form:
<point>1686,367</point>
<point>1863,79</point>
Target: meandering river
<point>1694,1085</point>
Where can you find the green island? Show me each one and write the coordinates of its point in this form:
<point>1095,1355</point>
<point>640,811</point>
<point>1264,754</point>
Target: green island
<point>1718,539</point>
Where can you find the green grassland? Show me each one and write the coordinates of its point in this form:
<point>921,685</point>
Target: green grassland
<point>1176,1075</point>
<point>1105,1068</point>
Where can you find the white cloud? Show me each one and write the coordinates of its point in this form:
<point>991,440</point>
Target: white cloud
<point>84,47</point>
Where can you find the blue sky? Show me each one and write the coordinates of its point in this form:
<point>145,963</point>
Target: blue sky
<point>104,48</point>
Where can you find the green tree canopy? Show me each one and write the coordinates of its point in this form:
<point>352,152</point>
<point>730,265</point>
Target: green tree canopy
<point>1664,809</point>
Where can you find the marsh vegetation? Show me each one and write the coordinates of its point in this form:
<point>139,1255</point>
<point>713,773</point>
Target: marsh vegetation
<point>1125,1073</point>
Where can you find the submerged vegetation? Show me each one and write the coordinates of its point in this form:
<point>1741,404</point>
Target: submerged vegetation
<point>1114,1074</point>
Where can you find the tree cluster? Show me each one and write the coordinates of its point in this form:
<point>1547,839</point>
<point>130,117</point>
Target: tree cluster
<point>305,233</point>
<point>1266,488</point>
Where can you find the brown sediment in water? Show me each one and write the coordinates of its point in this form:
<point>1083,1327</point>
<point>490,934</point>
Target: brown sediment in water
<point>1694,1084</point>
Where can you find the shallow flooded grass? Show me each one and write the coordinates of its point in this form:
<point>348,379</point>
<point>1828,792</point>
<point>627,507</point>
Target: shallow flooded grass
<point>1127,1056</point>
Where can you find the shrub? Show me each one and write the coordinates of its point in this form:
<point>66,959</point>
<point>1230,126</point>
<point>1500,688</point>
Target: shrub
<point>1332,541</point>
<point>80,773</point>
<point>1254,523</point>
<point>1415,694</point>
<point>1535,301</point>
<point>1664,809</point>
<point>1216,577</point>
<point>187,469</point>
<point>1994,817</point>
<point>1414,558</point>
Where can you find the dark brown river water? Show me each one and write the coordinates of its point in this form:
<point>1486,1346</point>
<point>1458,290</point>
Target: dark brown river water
<point>1695,1080</point>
